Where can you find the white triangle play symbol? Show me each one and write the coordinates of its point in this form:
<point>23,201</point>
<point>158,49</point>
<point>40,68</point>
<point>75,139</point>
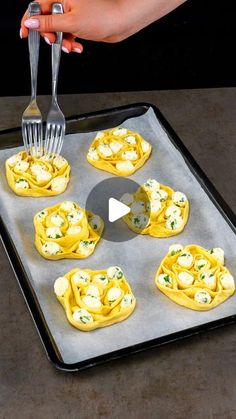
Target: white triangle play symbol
<point>116,209</point>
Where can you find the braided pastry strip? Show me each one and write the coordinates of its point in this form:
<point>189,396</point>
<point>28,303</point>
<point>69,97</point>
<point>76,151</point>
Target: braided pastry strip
<point>67,231</point>
<point>195,277</point>
<point>119,151</point>
<point>94,299</point>
<point>156,210</point>
<point>32,176</point>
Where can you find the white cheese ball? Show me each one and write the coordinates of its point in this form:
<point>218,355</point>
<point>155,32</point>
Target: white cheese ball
<point>154,206</point>
<point>208,278</point>
<point>13,160</point>
<point>40,216</point>
<point>85,247</point>
<point>185,259</point>
<point>91,302</point>
<point>59,162</point>
<point>105,150</point>
<point>80,277</point>
<point>99,135</point>
<point>93,291</point>
<point>101,279</point>
<point>137,207</point>
<point>43,176</point>
<point>186,278</point>
<point>57,220</point>
<point>60,286</point>
<point>126,300</point>
<point>130,139</point>
<point>115,146</point>
<point>202,297</point>
<point>115,272</point>
<point>59,184</point>
<point>174,249</point>
<point>227,281</point>
<point>174,223</point>
<point>22,184</point>
<point>124,166</point>
<point>129,155</point>
<point>68,206</point>
<point>145,146</point>
<point>113,294</point>
<point>75,216</point>
<point>22,166</point>
<point>95,222</point>
<point>37,168</point>
<point>160,195</point>
<point>82,316</point>
<point>140,221</point>
<point>200,264</point>
<point>53,232</point>
<point>173,211</point>
<point>127,198</point>
<point>120,131</point>
<point>92,154</point>
<point>73,230</point>
<point>51,248</point>
<point>179,198</point>
<point>151,185</point>
<point>219,254</point>
<point>165,279</point>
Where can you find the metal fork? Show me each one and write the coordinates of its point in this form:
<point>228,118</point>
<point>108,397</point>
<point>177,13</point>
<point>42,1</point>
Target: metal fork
<point>32,128</point>
<point>55,126</point>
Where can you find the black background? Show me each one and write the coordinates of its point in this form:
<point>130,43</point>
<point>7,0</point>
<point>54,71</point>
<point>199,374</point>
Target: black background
<point>192,47</point>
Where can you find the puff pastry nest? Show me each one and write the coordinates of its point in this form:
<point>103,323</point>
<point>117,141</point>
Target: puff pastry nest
<point>93,299</point>
<point>67,231</point>
<point>119,151</point>
<point>156,209</point>
<point>194,277</point>
<point>37,176</point>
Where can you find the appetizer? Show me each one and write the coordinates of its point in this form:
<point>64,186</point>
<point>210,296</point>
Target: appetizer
<point>194,277</point>
<point>37,176</point>
<point>93,299</point>
<point>156,209</point>
<point>119,151</point>
<point>67,231</point>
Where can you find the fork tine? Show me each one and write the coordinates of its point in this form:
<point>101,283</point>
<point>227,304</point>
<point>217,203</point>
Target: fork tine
<point>29,131</point>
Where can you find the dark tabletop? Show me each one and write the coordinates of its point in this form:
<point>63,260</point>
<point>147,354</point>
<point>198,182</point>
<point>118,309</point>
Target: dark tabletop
<point>193,378</point>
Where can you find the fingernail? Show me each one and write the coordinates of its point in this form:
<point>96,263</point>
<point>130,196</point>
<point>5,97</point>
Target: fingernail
<point>20,33</point>
<point>32,23</point>
<point>47,40</point>
<point>65,50</point>
<point>77,50</point>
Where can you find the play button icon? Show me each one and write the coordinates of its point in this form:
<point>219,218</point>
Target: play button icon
<point>116,210</point>
<point>105,200</point>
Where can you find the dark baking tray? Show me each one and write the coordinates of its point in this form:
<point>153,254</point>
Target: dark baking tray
<point>92,122</point>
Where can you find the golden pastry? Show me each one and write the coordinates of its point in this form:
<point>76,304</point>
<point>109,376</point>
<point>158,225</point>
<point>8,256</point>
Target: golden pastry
<point>156,210</point>
<point>37,176</point>
<point>93,299</point>
<point>67,231</point>
<point>195,277</point>
<point>119,151</point>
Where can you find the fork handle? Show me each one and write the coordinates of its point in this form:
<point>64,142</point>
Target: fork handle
<point>56,52</point>
<point>33,44</point>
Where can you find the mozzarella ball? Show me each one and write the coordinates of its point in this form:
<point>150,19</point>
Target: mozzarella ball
<point>68,206</point>
<point>80,277</point>
<point>40,216</point>
<point>120,131</point>
<point>130,139</point>
<point>13,160</point>
<point>99,135</point>
<point>59,162</point>
<point>51,248</point>
<point>115,272</point>
<point>82,316</point>
<point>93,291</point>
<point>86,247</point>
<point>60,286</point>
<point>126,300</point>
<point>92,154</point>
<point>179,198</point>
<point>208,278</point>
<point>151,185</point>
<point>57,220</point>
<point>105,150</point>
<point>59,184</point>
<point>43,176</point>
<point>145,146</point>
<point>101,279</point>
<point>73,230</point>
<point>137,207</point>
<point>186,278</point>
<point>127,199</point>
<point>124,166</point>
<point>202,297</point>
<point>129,155</point>
<point>174,249</point>
<point>185,259</point>
<point>53,232</point>
<point>173,211</point>
<point>92,302</point>
<point>75,216</point>
<point>165,279</point>
<point>140,221</point>
<point>115,146</point>
<point>95,222</point>
<point>227,281</point>
<point>22,184</point>
<point>22,166</point>
<point>219,254</point>
<point>174,223</point>
<point>200,264</point>
<point>113,294</point>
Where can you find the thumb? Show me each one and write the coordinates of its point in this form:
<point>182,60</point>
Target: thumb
<point>51,23</point>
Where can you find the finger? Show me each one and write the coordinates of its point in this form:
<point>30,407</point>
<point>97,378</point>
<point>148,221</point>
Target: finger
<point>51,23</point>
<point>77,47</point>
<point>48,37</point>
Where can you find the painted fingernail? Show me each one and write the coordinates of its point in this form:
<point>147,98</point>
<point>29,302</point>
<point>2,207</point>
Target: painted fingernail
<point>78,50</point>
<point>47,40</point>
<point>65,50</point>
<point>20,33</point>
<point>32,23</point>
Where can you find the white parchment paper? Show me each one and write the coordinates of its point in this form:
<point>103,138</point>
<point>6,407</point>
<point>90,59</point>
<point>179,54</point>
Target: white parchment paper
<point>155,315</point>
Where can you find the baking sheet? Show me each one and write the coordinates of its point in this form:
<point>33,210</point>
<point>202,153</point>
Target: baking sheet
<point>155,315</point>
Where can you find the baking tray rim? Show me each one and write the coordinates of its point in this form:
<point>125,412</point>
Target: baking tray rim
<point>29,295</point>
